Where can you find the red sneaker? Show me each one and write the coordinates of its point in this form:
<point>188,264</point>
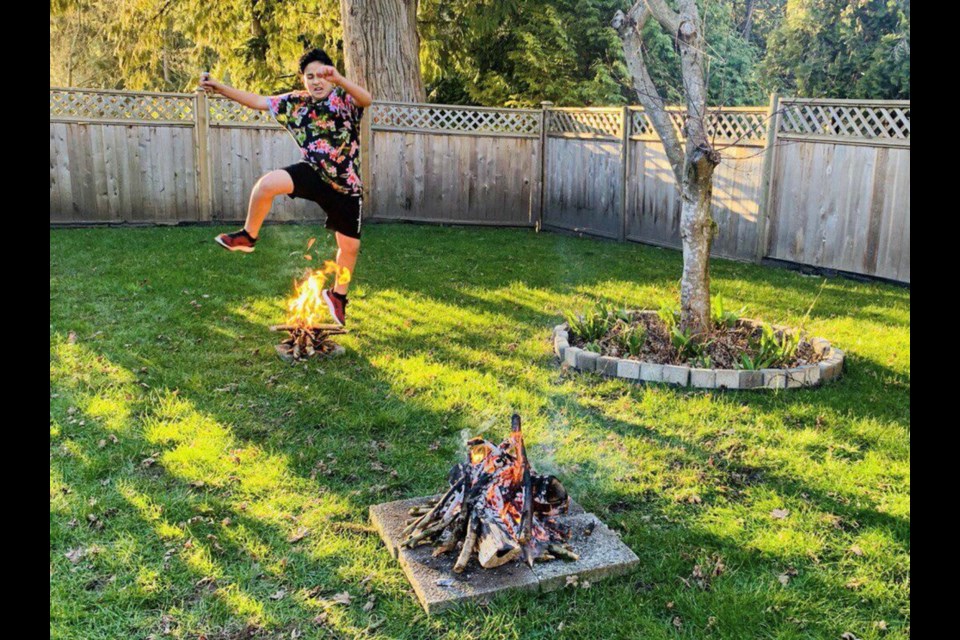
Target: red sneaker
<point>337,305</point>
<point>236,241</point>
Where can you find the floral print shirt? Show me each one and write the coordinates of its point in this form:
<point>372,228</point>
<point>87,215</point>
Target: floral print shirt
<point>328,132</point>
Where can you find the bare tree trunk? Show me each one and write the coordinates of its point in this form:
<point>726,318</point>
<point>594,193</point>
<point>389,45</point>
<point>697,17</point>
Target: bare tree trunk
<point>692,166</point>
<point>382,48</point>
<point>696,234</point>
<point>748,21</point>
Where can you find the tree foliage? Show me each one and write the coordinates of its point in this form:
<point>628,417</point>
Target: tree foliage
<point>521,52</point>
<point>852,49</point>
<point>492,52</point>
<point>163,45</point>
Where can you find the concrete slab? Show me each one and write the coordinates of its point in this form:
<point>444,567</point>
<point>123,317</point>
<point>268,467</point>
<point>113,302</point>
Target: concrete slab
<point>437,587</point>
<point>629,369</point>
<point>390,519</point>
<point>587,360</point>
<point>607,366</point>
<point>703,378</point>
<point>602,554</point>
<point>676,374</point>
<point>650,372</point>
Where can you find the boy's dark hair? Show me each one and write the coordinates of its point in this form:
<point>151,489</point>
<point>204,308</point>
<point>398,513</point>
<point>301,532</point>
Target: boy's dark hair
<point>314,55</point>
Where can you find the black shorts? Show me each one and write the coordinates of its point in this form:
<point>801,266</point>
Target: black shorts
<point>343,210</point>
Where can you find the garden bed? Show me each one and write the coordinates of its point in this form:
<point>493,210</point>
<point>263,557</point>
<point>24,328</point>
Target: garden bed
<point>739,353</point>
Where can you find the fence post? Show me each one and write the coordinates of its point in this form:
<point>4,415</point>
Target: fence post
<point>766,182</point>
<point>625,128</point>
<point>201,138</point>
<point>544,125</point>
<point>366,160</point>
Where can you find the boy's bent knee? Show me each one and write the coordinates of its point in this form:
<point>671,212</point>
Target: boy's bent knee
<point>274,183</point>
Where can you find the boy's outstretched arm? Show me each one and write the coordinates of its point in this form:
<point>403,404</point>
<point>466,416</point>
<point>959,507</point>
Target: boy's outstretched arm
<point>247,99</point>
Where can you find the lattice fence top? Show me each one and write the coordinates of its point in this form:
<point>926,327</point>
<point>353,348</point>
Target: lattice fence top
<point>740,126</point>
<point>594,123</point>
<point>868,121</point>
<point>225,112</point>
<point>855,121</point>
<point>396,116</point>
<point>117,106</point>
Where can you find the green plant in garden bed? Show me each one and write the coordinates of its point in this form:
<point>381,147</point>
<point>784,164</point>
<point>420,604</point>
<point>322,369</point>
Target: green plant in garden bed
<point>594,323</point>
<point>669,314</point>
<point>772,349</point>
<point>723,317</point>
<point>631,338</point>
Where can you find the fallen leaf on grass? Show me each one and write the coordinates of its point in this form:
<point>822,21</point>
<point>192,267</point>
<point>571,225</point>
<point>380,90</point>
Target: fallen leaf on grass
<point>846,635</point>
<point>856,550</point>
<point>855,583</point>
<point>279,595</point>
<point>371,601</point>
<point>75,555</point>
<point>780,514</point>
<point>298,535</point>
<point>342,598</point>
<point>71,338</point>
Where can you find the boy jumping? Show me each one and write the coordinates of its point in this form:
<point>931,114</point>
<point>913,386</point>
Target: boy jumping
<point>324,119</point>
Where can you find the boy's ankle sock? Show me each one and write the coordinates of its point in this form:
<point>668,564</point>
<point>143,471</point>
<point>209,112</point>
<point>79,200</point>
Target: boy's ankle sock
<point>247,233</point>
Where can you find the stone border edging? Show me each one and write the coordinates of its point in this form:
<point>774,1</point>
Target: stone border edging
<point>810,375</point>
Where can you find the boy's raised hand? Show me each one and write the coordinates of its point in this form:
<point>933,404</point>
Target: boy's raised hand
<point>330,73</point>
<point>209,84</point>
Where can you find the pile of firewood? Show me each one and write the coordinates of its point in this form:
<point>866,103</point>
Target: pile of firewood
<point>306,342</point>
<point>496,507</point>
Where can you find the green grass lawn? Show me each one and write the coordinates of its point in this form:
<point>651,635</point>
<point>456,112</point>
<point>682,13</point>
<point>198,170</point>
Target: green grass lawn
<point>184,455</point>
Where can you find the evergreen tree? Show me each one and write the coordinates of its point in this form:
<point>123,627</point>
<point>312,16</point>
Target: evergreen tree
<point>853,49</point>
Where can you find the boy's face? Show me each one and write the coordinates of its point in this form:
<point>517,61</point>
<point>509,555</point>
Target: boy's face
<point>315,82</point>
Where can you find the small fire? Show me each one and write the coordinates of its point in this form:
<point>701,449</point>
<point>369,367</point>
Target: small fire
<point>306,308</point>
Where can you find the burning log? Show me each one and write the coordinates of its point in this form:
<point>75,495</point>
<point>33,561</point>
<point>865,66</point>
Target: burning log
<point>497,545</point>
<point>469,542</point>
<point>308,342</point>
<point>497,506</point>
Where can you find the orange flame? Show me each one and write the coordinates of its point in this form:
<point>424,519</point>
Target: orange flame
<point>306,308</point>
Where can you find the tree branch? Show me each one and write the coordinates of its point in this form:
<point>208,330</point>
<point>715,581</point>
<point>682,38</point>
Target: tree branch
<point>690,43</point>
<point>628,26</point>
<point>667,17</point>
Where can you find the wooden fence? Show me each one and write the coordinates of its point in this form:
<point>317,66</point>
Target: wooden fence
<point>814,182</point>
